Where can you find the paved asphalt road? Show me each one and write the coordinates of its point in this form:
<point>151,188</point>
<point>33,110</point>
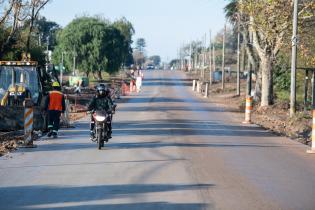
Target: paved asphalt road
<point>170,150</point>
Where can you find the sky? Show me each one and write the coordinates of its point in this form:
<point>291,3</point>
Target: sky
<point>164,24</point>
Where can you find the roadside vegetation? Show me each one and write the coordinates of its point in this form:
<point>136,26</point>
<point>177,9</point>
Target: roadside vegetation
<point>265,29</point>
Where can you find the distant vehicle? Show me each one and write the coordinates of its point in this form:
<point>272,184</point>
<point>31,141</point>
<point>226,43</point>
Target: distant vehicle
<point>150,66</point>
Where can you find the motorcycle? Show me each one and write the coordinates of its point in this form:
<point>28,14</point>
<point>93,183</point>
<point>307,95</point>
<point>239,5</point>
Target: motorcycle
<point>101,130</point>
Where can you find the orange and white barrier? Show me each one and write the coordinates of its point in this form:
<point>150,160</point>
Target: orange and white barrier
<point>28,123</point>
<point>248,109</point>
<point>125,90</point>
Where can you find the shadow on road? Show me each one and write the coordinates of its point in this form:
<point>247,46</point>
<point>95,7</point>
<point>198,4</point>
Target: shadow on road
<point>173,108</point>
<point>157,144</point>
<point>68,197</point>
<point>92,163</point>
<point>185,128</point>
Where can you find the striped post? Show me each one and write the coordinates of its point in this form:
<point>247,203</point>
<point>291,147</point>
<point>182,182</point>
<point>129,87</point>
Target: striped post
<point>248,109</point>
<point>28,123</point>
<point>194,85</point>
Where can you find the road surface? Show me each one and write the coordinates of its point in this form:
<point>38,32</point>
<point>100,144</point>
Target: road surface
<point>170,150</point>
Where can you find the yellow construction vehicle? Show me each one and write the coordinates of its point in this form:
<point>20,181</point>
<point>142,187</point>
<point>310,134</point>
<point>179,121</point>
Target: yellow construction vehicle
<point>20,80</point>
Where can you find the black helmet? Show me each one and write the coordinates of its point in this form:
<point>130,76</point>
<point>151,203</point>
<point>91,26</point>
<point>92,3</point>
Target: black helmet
<point>107,90</point>
<point>101,90</point>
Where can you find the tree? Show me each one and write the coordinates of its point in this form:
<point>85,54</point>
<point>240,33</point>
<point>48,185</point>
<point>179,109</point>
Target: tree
<point>138,57</point>
<point>266,27</point>
<point>17,26</point>
<point>127,30</point>
<point>139,53</point>
<point>269,23</point>
<point>35,7</point>
<point>140,44</point>
<point>156,59</point>
<point>46,28</point>
<point>97,44</point>
<point>12,15</point>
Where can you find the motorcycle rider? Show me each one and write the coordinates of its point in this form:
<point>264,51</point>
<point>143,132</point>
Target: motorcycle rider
<point>100,102</point>
<point>113,108</point>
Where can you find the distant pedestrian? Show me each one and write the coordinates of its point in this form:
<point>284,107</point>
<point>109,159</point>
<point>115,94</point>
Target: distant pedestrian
<point>55,105</point>
<point>138,83</point>
<point>77,89</point>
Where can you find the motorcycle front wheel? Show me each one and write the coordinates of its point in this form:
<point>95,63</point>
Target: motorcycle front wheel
<point>99,140</point>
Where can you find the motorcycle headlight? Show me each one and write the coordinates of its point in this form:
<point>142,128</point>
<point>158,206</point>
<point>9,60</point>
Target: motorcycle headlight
<point>100,118</point>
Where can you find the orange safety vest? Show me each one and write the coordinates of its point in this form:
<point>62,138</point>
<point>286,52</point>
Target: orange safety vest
<point>55,100</point>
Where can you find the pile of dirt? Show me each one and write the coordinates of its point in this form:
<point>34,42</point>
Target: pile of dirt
<point>9,143</point>
<point>277,119</point>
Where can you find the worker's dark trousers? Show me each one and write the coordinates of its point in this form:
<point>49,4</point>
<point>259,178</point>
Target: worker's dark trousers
<point>53,120</point>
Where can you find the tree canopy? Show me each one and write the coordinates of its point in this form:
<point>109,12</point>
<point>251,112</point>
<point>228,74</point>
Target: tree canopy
<point>96,43</point>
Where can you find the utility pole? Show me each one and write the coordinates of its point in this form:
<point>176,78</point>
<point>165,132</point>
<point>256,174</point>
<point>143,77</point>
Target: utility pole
<point>61,69</point>
<point>223,58</point>
<point>74,56</point>
<point>47,53</point>
<point>204,57</point>
<point>293,62</point>
<point>238,86</point>
<point>213,57</point>
<point>210,59</point>
<point>190,53</point>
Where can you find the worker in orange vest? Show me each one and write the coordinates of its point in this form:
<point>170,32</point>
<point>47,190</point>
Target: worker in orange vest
<point>55,105</point>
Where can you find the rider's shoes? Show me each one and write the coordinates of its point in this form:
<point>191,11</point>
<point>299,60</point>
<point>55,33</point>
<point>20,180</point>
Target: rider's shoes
<point>49,134</point>
<point>92,137</point>
<point>55,135</point>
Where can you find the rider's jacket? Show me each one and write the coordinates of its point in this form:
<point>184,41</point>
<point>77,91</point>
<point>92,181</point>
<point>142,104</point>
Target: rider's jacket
<point>100,103</point>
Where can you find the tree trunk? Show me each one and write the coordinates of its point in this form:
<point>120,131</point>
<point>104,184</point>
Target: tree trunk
<point>94,76</point>
<point>99,75</point>
<point>257,95</point>
<point>266,92</point>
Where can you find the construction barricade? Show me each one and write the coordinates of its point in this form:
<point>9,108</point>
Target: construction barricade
<point>28,123</point>
<point>248,109</point>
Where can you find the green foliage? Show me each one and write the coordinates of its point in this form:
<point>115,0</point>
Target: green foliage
<point>281,73</point>
<point>174,62</point>
<point>97,44</point>
<point>156,60</point>
<point>140,44</point>
<point>44,29</point>
<point>127,30</point>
